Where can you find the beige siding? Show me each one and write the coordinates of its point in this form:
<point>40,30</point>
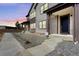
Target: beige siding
<point>53,24</point>
<point>53,20</point>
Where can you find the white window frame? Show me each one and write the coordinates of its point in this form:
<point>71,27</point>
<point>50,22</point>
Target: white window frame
<point>44,7</point>
<point>42,24</point>
<point>33,14</point>
<point>33,25</point>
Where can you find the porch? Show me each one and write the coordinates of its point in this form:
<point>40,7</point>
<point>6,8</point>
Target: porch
<point>61,21</point>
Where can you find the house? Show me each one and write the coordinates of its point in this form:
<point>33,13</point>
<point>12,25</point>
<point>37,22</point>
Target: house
<point>37,18</point>
<point>55,18</point>
<point>2,27</point>
<point>26,25</point>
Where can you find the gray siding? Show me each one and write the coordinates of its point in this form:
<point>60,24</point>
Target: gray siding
<point>39,16</point>
<point>52,5</point>
<point>32,10</point>
<point>53,24</point>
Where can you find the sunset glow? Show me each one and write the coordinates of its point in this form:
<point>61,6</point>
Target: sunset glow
<point>11,13</point>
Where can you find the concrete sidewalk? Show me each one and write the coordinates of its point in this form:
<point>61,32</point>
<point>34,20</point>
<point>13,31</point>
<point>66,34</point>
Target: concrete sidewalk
<point>9,46</point>
<point>47,46</point>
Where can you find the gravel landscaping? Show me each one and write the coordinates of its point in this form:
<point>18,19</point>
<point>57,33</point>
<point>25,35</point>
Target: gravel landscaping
<point>29,40</point>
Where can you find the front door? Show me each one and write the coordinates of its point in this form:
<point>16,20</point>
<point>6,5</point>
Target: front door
<point>64,24</point>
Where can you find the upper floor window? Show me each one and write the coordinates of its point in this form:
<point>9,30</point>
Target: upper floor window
<point>44,7</point>
<point>33,14</point>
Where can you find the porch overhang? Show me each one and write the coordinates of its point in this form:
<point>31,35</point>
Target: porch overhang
<point>58,7</point>
<point>26,23</point>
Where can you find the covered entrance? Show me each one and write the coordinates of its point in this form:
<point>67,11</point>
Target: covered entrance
<point>61,20</point>
<point>64,24</point>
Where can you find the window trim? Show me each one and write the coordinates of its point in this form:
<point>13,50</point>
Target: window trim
<point>33,14</point>
<point>41,11</point>
<point>33,25</point>
<point>42,26</point>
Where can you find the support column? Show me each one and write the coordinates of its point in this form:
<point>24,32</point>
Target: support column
<point>48,23</point>
<point>57,24</point>
<point>76,22</point>
<point>71,24</point>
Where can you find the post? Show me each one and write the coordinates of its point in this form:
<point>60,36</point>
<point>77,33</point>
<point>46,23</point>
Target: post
<point>76,23</point>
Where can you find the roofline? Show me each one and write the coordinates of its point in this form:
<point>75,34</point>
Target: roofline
<point>49,9</point>
<point>30,10</point>
<point>35,5</point>
<point>57,6</point>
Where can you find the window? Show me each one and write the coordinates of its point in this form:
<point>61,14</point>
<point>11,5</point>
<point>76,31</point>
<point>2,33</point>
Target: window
<point>33,26</point>
<point>42,24</point>
<point>44,7</point>
<point>33,14</point>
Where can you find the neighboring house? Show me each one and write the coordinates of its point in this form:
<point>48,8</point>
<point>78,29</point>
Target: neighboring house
<point>32,17</point>
<point>7,28</point>
<point>55,18</point>
<point>2,27</point>
<point>26,25</point>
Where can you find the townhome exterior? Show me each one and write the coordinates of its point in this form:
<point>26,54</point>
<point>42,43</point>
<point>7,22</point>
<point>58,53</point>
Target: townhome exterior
<point>64,19</point>
<point>60,20</point>
<point>41,18</point>
<point>26,24</point>
<point>56,18</point>
<point>37,18</point>
<point>32,17</point>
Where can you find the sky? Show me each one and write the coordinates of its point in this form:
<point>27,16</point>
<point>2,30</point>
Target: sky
<point>10,13</point>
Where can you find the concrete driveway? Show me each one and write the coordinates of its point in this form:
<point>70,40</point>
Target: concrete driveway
<point>9,46</point>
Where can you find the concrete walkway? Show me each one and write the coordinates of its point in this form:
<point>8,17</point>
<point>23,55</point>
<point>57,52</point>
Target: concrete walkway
<point>9,46</point>
<point>47,46</point>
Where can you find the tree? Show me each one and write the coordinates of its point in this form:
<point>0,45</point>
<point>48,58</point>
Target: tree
<point>17,25</point>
